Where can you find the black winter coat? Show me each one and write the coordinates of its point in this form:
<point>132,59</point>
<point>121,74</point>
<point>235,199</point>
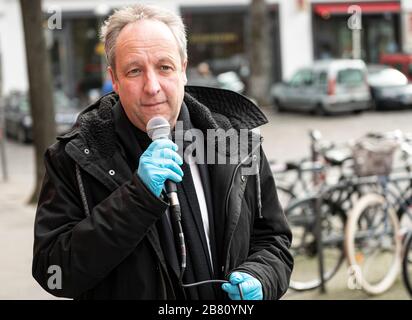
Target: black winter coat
<point>96,219</point>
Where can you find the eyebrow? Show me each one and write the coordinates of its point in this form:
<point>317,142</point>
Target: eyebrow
<point>130,64</point>
<point>169,60</point>
<point>164,59</point>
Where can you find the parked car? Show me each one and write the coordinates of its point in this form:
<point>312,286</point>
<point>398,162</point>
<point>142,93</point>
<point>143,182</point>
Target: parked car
<point>389,88</point>
<point>18,120</point>
<point>399,61</point>
<point>230,80</point>
<point>328,86</point>
<point>202,76</point>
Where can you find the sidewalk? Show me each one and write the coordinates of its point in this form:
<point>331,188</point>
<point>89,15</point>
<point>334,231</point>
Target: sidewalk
<point>16,239</point>
<point>16,227</point>
<point>337,289</point>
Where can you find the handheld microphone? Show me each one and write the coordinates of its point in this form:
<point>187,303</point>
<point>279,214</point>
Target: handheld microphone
<point>159,128</point>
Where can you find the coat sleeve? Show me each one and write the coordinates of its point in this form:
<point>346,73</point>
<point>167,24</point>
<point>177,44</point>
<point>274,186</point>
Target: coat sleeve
<point>270,260</point>
<point>86,249</point>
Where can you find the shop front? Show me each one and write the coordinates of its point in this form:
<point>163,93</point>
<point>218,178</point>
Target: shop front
<point>77,56</point>
<point>219,37</point>
<point>380,29</point>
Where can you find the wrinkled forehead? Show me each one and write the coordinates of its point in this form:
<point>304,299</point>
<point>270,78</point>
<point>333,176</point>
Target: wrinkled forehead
<point>147,35</point>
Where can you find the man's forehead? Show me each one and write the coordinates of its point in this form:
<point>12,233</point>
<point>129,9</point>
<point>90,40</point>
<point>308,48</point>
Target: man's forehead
<point>155,46</point>
<point>147,32</point>
<point>146,36</point>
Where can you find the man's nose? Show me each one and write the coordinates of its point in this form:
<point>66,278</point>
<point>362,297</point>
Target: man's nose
<point>152,85</point>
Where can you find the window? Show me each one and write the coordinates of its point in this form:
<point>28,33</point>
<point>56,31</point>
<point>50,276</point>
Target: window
<point>350,77</point>
<point>302,78</point>
<point>322,78</point>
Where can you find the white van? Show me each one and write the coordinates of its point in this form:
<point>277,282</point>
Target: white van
<point>329,86</point>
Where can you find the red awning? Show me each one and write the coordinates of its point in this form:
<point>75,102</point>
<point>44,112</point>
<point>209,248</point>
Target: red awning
<point>370,7</point>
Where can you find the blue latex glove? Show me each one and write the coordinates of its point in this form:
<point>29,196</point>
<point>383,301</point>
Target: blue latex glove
<point>158,163</point>
<point>251,287</point>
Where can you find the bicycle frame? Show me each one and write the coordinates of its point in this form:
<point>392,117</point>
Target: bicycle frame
<point>357,183</point>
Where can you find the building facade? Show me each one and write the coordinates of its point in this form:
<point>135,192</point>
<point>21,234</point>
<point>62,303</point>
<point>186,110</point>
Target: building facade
<point>301,31</point>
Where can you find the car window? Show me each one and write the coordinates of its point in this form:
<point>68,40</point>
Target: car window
<point>302,78</point>
<point>322,78</point>
<point>350,77</point>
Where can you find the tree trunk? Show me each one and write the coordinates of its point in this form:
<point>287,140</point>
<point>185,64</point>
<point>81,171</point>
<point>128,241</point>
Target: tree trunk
<point>260,57</point>
<point>41,92</point>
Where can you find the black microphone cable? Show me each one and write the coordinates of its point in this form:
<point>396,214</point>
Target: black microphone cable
<point>176,220</point>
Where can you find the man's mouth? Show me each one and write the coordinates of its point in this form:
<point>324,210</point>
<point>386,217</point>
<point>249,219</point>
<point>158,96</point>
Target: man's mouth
<point>153,104</point>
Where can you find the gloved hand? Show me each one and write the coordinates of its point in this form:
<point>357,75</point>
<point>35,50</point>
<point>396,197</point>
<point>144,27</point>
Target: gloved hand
<point>158,163</point>
<point>251,287</point>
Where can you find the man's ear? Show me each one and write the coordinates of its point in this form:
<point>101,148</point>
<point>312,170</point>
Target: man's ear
<point>113,78</point>
<point>184,65</point>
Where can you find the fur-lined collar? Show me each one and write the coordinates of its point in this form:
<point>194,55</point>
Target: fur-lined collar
<point>209,108</point>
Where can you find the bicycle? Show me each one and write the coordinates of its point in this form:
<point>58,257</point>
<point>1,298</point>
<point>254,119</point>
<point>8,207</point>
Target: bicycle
<point>371,240</point>
<point>372,233</point>
<point>299,200</point>
<point>297,194</point>
<point>297,179</point>
<point>295,184</point>
<point>302,216</point>
<point>335,201</point>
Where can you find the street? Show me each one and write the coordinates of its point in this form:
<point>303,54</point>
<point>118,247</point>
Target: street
<point>286,135</point>
<point>286,138</point>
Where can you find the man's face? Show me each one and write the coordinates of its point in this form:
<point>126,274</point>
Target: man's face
<point>149,75</point>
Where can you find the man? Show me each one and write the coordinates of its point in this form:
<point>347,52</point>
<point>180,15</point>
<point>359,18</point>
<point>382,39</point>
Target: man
<point>102,218</point>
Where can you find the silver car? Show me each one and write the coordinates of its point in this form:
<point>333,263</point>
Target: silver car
<point>328,86</point>
<point>389,88</point>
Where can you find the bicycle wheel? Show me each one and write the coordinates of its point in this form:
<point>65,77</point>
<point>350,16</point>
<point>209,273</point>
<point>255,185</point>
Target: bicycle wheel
<point>407,264</point>
<point>372,244</point>
<point>302,220</point>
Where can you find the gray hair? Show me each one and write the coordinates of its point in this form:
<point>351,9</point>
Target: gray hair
<point>122,17</point>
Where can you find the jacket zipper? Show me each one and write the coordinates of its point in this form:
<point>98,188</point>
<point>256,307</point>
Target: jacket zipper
<point>228,194</point>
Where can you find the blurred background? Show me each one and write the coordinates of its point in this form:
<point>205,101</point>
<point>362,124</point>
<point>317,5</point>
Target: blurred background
<point>327,74</point>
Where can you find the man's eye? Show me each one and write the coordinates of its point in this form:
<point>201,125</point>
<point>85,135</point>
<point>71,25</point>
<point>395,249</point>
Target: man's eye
<point>134,72</point>
<point>165,68</point>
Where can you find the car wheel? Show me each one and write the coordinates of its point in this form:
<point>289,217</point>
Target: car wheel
<point>320,110</point>
<point>373,106</point>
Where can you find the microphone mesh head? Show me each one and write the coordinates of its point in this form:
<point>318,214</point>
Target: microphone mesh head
<point>158,128</point>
